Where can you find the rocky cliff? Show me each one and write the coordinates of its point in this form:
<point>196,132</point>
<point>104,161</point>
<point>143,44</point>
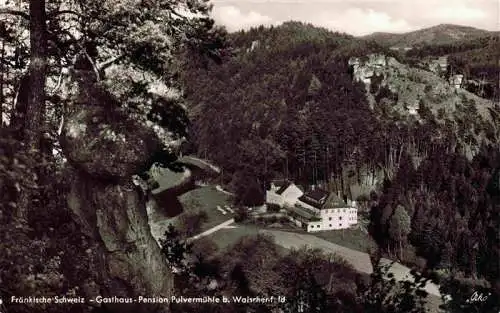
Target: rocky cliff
<point>404,92</point>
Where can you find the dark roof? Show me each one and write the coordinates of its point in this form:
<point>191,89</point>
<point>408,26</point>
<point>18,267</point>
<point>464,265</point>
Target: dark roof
<point>317,194</point>
<point>283,188</point>
<point>322,199</point>
<point>315,197</point>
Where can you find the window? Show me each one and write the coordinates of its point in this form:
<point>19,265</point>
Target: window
<point>329,218</point>
<point>317,226</point>
<point>340,217</point>
<point>340,225</point>
<point>330,225</point>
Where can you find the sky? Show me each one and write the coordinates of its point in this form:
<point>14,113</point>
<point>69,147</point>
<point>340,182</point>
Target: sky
<point>358,17</point>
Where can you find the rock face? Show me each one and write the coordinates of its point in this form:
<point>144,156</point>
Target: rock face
<point>413,94</point>
<point>107,149</point>
<point>127,144</point>
<point>365,68</point>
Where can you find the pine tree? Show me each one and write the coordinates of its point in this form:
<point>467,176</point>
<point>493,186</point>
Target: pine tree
<point>399,227</point>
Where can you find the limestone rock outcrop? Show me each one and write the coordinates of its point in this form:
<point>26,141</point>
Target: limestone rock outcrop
<point>106,148</point>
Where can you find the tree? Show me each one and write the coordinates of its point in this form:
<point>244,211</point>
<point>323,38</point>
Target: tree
<point>114,54</point>
<point>190,222</point>
<point>461,296</point>
<point>175,248</point>
<point>250,262</point>
<point>400,227</point>
<point>35,89</point>
<point>385,295</point>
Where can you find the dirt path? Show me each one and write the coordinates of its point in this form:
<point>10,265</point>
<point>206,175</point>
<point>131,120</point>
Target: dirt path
<point>360,261</point>
<point>213,229</point>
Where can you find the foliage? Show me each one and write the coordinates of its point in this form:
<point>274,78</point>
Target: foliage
<point>241,214</point>
<point>461,295</point>
<point>399,225</point>
<point>451,202</point>
<point>329,135</point>
<point>39,257</point>
<point>385,294</point>
<point>131,49</point>
<point>473,57</point>
<point>190,222</point>
<point>175,249</point>
<point>259,125</point>
<point>273,208</point>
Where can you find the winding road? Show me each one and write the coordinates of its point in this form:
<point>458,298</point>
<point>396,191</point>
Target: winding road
<point>359,260</point>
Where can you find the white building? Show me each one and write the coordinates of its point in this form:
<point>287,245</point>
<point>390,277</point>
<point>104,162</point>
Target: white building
<point>283,193</point>
<point>320,210</point>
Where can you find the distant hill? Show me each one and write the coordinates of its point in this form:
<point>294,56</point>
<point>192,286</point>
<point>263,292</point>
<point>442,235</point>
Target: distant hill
<point>440,34</point>
<point>291,100</point>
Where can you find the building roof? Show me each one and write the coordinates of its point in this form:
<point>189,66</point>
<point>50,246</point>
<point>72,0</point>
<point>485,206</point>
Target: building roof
<point>333,201</point>
<point>283,187</point>
<point>317,194</point>
<point>280,182</point>
<point>323,200</point>
<point>303,213</point>
<point>315,197</point>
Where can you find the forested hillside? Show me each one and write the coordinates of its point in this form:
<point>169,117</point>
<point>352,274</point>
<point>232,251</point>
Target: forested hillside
<point>477,59</point>
<point>291,105</point>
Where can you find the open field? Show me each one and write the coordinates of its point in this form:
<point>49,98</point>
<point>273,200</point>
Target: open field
<point>227,237</point>
<point>352,238</point>
<point>207,199</point>
<point>167,178</point>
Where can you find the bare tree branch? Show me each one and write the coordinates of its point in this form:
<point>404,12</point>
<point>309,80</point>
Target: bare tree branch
<point>103,65</point>
<point>96,70</point>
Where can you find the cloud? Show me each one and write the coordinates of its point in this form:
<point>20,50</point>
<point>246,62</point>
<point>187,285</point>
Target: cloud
<point>458,12</point>
<point>234,19</point>
<point>358,17</point>
<point>357,21</point>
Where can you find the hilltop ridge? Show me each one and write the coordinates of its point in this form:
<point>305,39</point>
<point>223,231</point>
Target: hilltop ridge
<point>439,34</point>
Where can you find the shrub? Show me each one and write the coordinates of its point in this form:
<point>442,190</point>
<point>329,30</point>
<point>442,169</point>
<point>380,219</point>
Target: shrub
<point>241,215</point>
<point>441,113</point>
<point>283,219</point>
<point>190,222</point>
<point>272,207</point>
